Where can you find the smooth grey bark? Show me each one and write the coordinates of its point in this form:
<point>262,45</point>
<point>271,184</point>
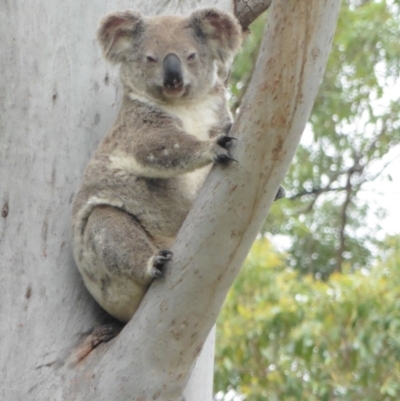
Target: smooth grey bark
<point>57,99</point>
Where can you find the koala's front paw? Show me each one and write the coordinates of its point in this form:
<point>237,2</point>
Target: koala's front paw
<point>160,259</point>
<point>225,141</point>
<point>221,149</point>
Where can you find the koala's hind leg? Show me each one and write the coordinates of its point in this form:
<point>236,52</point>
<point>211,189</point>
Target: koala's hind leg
<point>120,260</point>
<point>123,245</point>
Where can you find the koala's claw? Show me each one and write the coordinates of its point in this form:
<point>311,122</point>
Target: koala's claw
<point>221,151</point>
<point>166,253</point>
<point>162,258</point>
<point>158,273</point>
<point>159,262</point>
<point>224,158</point>
<point>225,141</point>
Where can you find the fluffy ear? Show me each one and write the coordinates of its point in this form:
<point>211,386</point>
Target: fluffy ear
<point>117,33</point>
<point>221,31</point>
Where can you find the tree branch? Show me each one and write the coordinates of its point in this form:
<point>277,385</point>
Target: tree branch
<point>384,167</point>
<point>350,191</point>
<point>342,226</point>
<point>317,192</point>
<point>247,11</point>
<point>356,168</point>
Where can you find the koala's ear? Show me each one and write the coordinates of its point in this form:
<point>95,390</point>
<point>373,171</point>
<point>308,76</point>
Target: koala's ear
<point>221,32</point>
<point>118,32</point>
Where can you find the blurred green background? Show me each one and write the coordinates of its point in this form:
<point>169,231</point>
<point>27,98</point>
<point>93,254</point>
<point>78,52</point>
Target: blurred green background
<point>315,312</point>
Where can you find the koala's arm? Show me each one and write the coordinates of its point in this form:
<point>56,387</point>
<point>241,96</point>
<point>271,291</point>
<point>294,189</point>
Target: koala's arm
<point>160,148</point>
<point>171,152</point>
<point>223,128</point>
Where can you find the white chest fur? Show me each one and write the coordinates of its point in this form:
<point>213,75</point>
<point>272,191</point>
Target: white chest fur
<point>198,116</point>
<point>197,119</point>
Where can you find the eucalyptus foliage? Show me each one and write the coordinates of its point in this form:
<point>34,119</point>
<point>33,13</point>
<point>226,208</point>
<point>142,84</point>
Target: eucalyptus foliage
<point>283,336</point>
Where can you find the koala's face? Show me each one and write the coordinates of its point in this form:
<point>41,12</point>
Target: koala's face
<point>168,58</point>
<point>168,62</point>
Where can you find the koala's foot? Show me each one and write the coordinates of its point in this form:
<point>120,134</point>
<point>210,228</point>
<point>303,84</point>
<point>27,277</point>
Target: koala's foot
<point>160,259</point>
<point>221,150</point>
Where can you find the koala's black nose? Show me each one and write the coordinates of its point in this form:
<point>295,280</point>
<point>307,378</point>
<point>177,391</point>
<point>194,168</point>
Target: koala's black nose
<point>172,72</point>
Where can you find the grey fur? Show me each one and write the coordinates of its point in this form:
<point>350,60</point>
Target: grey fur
<point>145,174</point>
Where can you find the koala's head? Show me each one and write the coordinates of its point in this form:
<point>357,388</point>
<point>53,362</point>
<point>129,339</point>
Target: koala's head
<point>169,58</point>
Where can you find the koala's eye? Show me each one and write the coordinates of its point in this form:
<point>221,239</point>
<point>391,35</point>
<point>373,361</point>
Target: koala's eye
<point>151,59</point>
<point>191,56</point>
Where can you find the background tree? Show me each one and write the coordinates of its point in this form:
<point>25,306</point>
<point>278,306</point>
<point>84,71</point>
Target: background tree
<point>351,137</point>
<point>57,100</point>
<point>284,335</point>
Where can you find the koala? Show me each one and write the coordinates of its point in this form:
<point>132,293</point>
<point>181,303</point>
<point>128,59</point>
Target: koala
<point>171,128</point>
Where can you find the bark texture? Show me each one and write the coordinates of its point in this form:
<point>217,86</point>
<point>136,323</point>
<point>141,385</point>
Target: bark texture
<point>248,10</point>
<point>57,99</point>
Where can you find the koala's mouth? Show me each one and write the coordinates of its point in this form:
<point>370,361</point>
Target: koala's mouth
<point>174,92</point>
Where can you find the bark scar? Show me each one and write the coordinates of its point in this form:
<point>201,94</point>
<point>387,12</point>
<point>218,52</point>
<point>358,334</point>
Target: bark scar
<point>99,335</point>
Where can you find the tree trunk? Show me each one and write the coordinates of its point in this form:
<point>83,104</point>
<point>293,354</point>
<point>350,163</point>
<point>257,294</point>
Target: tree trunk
<point>57,99</point>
